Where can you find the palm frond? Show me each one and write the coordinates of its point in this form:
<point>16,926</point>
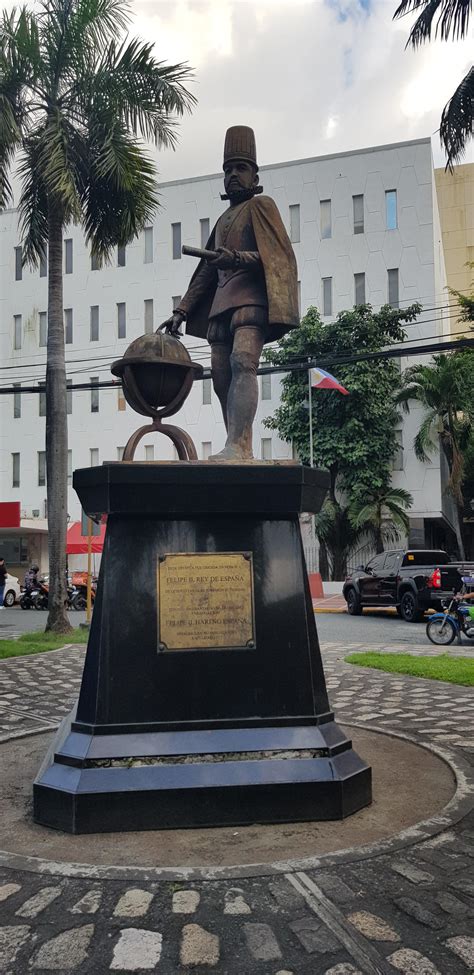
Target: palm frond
<point>33,205</point>
<point>457,121</point>
<point>452,19</point>
<point>424,443</point>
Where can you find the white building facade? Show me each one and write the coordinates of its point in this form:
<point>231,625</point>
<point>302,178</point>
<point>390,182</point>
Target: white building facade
<point>364,227</point>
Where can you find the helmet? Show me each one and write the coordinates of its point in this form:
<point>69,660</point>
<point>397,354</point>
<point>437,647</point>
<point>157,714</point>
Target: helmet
<point>35,568</point>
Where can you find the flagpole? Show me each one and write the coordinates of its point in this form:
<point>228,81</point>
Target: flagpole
<point>310,393</point>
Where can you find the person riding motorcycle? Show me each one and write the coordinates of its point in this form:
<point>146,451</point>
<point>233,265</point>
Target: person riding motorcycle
<point>31,577</point>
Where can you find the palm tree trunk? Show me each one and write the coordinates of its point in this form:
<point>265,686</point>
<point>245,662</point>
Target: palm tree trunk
<point>56,428</point>
<point>456,518</point>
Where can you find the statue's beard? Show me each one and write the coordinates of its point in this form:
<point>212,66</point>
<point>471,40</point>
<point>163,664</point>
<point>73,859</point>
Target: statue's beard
<point>241,195</point>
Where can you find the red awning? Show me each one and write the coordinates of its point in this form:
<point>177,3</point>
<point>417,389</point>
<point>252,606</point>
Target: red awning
<point>76,543</point>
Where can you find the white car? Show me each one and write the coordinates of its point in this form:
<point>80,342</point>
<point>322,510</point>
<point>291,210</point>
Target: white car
<point>12,591</point>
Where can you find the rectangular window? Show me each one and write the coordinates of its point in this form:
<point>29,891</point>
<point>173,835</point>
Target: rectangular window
<point>148,245</point>
<point>393,295</point>
<point>121,401</point>
<point>397,459</point>
<point>16,402</point>
<point>358,206</point>
<point>94,395</point>
<point>68,325</point>
<point>176,301</point>
<point>96,262</point>
<point>69,399</point>
<point>43,329</point>
<point>295,223</point>
<point>391,209</point>
<point>207,392</point>
<point>149,452</point>
<point>206,449</point>
<point>18,263</point>
<point>325,219</point>
<point>327,296</point>
<point>205,231</point>
<point>69,467</point>
<point>17,331</point>
<point>176,234</point>
<point>94,456</point>
<point>94,323</point>
<point>266,448</point>
<point>42,399</point>
<point>121,320</point>
<point>44,266</point>
<point>121,255</point>
<point>15,470</point>
<point>68,255</point>
<point>148,315</point>
<point>266,382</point>
<point>41,468</point>
<point>120,453</point>
<point>359,289</point>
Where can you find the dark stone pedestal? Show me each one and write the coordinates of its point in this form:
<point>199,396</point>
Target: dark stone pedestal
<point>206,736</point>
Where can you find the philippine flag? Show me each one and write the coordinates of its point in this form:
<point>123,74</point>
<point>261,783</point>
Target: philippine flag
<point>320,379</point>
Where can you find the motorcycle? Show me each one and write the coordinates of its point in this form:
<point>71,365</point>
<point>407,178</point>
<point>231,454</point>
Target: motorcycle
<point>40,596</point>
<point>456,618</point>
<point>26,600</point>
<point>79,601</point>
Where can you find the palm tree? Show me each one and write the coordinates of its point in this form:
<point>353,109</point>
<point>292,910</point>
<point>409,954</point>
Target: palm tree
<point>76,99</point>
<point>452,23</point>
<point>383,514</point>
<point>445,389</point>
<point>337,535</point>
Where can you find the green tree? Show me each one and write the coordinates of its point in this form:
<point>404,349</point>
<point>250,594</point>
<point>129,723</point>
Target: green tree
<point>354,436</point>
<point>77,96</point>
<point>447,20</point>
<point>446,390</point>
<point>382,513</point>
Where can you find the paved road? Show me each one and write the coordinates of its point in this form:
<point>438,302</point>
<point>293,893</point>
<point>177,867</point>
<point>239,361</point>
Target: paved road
<point>15,621</point>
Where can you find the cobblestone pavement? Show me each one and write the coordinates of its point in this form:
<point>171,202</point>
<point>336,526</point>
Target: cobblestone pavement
<point>408,911</point>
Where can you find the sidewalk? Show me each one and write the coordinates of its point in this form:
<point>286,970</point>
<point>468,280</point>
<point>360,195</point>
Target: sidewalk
<point>404,906</point>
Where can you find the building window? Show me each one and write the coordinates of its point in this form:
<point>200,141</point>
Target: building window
<point>94,456</point>
<point>359,289</point>
<point>266,381</point>
<point>266,448</point>
<point>68,325</point>
<point>206,449</point>
<point>121,401</point>
<point>397,460</point>
<point>17,331</point>
<point>94,323</point>
<point>391,209</point>
<point>42,399</point>
<point>176,299</point>
<point>69,399</point>
<point>68,255</point>
<point>327,296</point>
<point>393,295</point>
<point>96,263</point>
<point>15,470</point>
<point>121,320</point>
<point>120,453</point>
<point>325,219</point>
<point>295,223</point>
<point>43,266</point>
<point>176,234</point>
<point>94,394</point>
<point>69,467</point>
<point>43,329</point>
<point>16,402</point>
<point>18,263</point>
<point>358,206</point>
<point>207,392</point>
<point>121,255</point>
<point>205,231</point>
<point>149,452</point>
<point>148,245</point>
<point>41,468</point>
<point>148,315</point>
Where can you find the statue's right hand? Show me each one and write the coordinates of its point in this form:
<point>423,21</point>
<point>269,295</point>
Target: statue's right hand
<point>172,324</point>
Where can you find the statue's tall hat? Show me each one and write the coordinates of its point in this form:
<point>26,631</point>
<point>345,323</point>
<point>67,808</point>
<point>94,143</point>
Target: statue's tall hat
<point>240,144</point>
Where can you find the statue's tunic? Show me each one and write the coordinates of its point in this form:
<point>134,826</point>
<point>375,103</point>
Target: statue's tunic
<point>267,275</point>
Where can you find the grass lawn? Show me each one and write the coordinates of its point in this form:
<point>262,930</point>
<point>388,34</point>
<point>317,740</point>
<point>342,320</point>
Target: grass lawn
<point>454,670</point>
<point>40,641</point>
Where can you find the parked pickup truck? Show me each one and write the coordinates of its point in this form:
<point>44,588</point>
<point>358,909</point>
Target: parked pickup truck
<point>412,580</point>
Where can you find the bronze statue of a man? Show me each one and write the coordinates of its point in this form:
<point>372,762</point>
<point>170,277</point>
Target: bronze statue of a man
<point>247,295</point>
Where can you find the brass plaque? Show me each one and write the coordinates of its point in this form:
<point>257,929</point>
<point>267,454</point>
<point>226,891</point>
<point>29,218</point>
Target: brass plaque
<point>205,601</point>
